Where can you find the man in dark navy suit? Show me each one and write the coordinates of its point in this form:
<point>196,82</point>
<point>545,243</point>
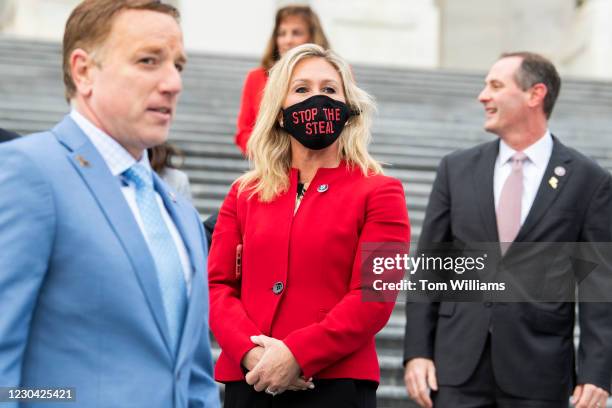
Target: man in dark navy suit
<point>525,186</point>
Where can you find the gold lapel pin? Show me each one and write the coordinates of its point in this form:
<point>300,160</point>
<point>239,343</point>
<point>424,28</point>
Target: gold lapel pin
<point>554,182</point>
<point>83,161</point>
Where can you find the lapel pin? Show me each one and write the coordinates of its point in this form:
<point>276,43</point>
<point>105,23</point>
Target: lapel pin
<point>172,196</point>
<point>83,162</point>
<point>322,188</point>
<point>560,171</point>
<point>554,182</point>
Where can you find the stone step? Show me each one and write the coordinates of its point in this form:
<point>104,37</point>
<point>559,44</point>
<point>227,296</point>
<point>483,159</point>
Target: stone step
<point>422,115</point>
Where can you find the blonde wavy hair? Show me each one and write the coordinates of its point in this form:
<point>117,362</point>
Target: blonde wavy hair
<point>269,148</point>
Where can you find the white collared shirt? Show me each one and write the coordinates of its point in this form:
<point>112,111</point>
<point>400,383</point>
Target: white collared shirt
<point>538,156</point>
<point>119,160</point>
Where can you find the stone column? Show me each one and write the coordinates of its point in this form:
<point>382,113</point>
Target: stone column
<point>7,13</point>
<point>387,32</point>
<point>475,32</point>
<point>237,27</point>
<point>588,50</point>
<point>40,19</point>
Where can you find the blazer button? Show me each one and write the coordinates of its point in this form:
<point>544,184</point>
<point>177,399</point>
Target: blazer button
<point>278,288</point>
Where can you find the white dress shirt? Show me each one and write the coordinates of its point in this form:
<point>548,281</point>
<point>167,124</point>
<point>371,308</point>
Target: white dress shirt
<point>119,160</point>
<point>538,156</point>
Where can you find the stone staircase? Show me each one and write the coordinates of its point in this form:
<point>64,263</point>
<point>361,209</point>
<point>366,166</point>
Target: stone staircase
<point>423,115</point>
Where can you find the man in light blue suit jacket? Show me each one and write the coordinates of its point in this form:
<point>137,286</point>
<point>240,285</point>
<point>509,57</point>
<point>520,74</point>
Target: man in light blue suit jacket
<point>84,294</point>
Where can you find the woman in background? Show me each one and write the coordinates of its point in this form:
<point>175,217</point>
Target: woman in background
<point>161,159</point>
<point>294,25</point>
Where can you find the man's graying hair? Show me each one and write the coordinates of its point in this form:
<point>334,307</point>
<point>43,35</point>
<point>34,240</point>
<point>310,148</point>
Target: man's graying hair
<point>535,69</point>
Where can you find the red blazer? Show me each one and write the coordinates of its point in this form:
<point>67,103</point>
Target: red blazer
<point>315,255</point>
<point>252,92</point>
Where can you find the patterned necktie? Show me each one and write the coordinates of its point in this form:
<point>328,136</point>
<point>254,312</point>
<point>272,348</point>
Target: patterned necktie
<point>510,200</point>
<point>162,247</point>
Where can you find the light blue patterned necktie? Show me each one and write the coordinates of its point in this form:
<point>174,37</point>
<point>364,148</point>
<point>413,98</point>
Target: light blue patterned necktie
<point>162,247</point>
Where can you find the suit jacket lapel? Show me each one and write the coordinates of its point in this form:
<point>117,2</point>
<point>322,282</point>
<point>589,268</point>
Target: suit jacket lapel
<point>190,238</point>
<point>547,193</point>
<point>483,184</point>
<point>107,192</point>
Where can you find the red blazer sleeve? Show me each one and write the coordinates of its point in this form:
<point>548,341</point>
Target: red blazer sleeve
<point>229,321</point>
<point>254,85</point>
<point>352,322</point>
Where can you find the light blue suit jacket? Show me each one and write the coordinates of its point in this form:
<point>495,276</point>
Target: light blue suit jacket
<point>80,304</point>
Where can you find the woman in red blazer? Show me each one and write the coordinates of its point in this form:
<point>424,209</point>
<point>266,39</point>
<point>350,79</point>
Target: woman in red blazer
<point>294,25</point>
<point>284,267</point>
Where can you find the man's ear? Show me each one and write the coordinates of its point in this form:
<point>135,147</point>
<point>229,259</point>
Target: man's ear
<point>537,94</point>
<point>81,69</point>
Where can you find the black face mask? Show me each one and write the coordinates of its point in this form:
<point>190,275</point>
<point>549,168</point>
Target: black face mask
<point>317,121</point>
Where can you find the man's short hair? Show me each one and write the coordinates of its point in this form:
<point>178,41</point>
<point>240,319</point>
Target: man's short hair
<point>91,22</point>
<point>535,69</point>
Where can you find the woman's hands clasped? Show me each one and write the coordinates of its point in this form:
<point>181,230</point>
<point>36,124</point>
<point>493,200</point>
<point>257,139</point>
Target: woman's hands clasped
<point>273,368</point>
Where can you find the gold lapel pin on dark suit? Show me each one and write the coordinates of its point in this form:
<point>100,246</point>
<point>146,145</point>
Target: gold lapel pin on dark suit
<point>554,182</point>
<point>83,162</point>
